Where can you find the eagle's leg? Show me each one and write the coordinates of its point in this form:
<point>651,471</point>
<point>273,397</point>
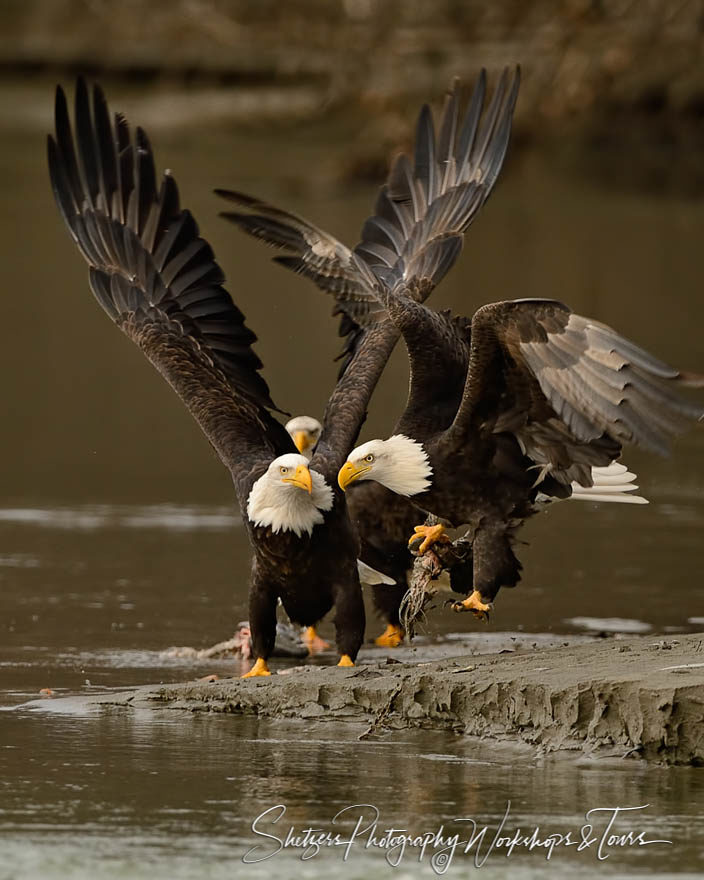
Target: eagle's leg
<point>262,624</point>
<point>313,642</point>
<point>430,535</point>
<point>387,601</point>
<point>494,566</point>
<point>260,668</point>
<point>392,636</point>
<point>349,622</point>
<point>474,603</point>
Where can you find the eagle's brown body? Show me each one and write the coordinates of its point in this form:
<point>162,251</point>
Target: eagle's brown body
<point>536,396</point>
<point>310,578</point>
<point>158,281</point>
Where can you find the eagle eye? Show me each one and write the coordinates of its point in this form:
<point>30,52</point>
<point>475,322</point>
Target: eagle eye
<point>283,470</point>
<point>369,458</point>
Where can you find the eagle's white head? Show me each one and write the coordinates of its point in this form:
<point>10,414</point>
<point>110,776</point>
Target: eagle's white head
<point>289,496</point>
<point>399,463</point>
<point>305,432</point>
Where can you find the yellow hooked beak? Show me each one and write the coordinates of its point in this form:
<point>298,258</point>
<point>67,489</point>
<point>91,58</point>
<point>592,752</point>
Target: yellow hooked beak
<point>301,478</point>
<point>349,472</point>
<point>301,440</point>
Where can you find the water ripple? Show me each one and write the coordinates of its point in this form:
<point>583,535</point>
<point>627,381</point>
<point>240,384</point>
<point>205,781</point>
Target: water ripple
<point>171,517</point>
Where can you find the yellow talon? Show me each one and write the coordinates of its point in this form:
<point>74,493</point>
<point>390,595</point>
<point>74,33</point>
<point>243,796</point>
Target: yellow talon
<point>481,610</point>
<point>431,535</point>
<point>392,637</point>
<point>345,660</point>
<point>259,668</point>
<point>313,641</point>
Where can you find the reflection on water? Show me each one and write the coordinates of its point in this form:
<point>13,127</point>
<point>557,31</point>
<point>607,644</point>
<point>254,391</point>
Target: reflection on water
<point>177,797</point>
<point>119,537</point>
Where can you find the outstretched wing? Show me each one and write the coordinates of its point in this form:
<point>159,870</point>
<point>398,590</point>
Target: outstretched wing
<point>157,278</point>
<point>331,265</point>
<point>572,390</point>
<point>407,246</point>
<point>421,214</point>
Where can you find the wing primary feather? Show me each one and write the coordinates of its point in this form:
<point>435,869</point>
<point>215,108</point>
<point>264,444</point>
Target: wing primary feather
<point>65,157</point>
<point>448,127</point>
<point>146,174</point>
<point>85,138</point>
<point>471,121</point>
<point>267,229</point>
<point>61,186</point>
<point>489,124</point>
<point>107,158</point>
<point>612,341</point>
<point>425,169</point>
<point>392,212</point>
<point>155,276</point>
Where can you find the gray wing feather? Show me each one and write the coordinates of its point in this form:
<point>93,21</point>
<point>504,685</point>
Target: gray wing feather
<point>538,364</point>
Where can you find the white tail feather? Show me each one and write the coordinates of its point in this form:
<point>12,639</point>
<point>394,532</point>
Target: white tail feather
<point>611,483</point>
<point>612,479</point>
<point>622,499</point>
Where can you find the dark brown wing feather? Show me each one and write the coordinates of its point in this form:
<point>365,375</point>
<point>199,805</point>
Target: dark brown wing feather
<point>158,279</point>
<point>408,245</point>
<point>312,252</point>
<point>415,235</point>
<point>421,213</point>
<point>572,390</point>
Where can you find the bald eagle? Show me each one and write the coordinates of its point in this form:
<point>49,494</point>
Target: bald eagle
<point>525,403</point>
<point>158,281</point>
<point>383,521</point>
<point>414,238</point>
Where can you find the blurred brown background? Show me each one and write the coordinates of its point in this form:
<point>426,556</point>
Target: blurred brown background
<point>590,64</point>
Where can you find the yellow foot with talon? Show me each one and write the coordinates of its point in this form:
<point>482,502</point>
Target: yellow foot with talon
<point>431,535</point>
<point>392,637</point>
<point>474,603</point>
<point>346,660</point>
<point>259,668</point>
<point>313,642</point>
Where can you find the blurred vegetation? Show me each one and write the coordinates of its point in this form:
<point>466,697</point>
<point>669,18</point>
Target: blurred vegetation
<point>590,66</point>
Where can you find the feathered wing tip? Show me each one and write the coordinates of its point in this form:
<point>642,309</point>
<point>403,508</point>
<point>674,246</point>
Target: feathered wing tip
<point>415,233</point>
<point>611,385</point>
<point>145,252</point>
<point>427,204</point>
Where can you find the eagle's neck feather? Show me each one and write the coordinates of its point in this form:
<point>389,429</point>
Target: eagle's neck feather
<point>282,507</point>
<point>405,468</point>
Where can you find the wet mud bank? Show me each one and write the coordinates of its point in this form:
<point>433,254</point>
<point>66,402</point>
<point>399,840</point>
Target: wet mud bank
<point>637,697</point>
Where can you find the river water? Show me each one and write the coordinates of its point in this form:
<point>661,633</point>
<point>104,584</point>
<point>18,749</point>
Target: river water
<point>119,537</point>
